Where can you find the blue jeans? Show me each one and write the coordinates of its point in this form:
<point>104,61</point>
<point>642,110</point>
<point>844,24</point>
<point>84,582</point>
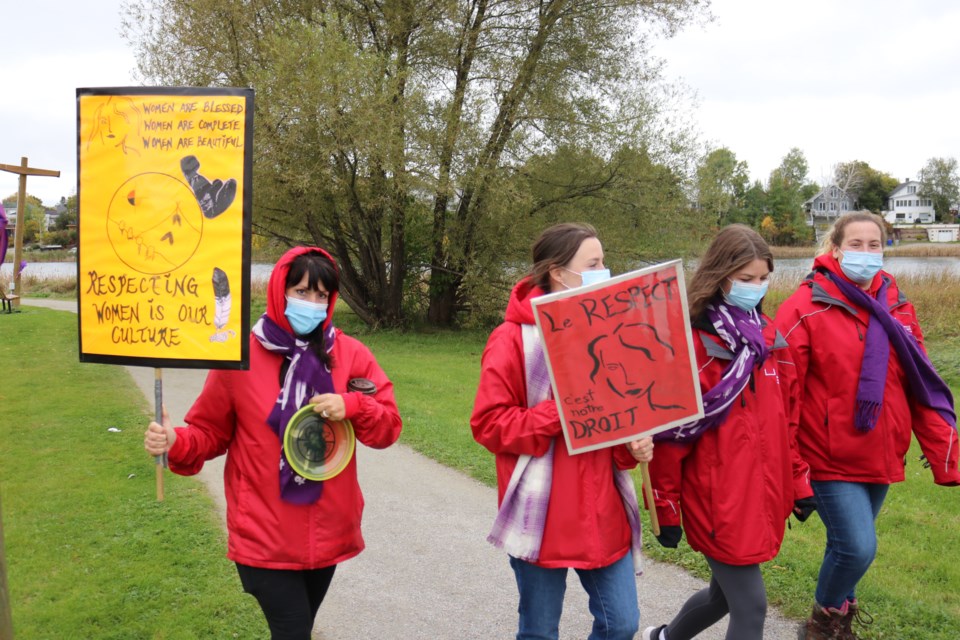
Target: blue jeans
<point>613,600</point>
<point>848,511</point>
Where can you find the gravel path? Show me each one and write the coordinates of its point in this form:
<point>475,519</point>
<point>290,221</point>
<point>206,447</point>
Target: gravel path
<point>428,571</point>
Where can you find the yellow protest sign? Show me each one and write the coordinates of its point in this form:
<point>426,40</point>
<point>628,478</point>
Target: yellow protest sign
<point>164,192</point>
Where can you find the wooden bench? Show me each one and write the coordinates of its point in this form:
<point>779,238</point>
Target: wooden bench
<point>6,300</point>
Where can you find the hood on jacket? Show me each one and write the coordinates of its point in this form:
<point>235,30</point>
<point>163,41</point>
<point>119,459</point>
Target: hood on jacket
<point>825,291</point>
<point>831,264</point>
<point>277,287</point>
<point>520,309</point>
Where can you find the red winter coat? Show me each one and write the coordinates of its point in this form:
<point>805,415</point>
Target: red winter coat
<point>586,526</point>
<point>734,487</point>
<point>230,416</point>
<point>826,336</point>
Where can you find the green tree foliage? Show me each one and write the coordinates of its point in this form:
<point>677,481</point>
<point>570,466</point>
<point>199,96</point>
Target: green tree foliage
<point>754,206</point>
<point>629,193</point>
<point>69,216</point>
<point>785,197</point>
<point>721,184</point>
<point>868,186</point>
<point>940,182</point>
<point>391,132</point>
<point>64,229</point>
<point>34,219</point>
<point>628,197</point>
<point>876,188</point>
<point>793,169</point>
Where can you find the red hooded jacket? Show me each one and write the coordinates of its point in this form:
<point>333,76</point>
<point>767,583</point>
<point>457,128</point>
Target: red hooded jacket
<point>586,526</point>
<point>826,336</point>
<point>734,487</point>
<point>230,416</point>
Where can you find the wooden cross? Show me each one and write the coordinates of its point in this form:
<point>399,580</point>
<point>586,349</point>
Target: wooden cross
<point>23,170</point>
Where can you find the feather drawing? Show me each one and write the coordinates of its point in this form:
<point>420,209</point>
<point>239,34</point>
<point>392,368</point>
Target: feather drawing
<point>221,298</point>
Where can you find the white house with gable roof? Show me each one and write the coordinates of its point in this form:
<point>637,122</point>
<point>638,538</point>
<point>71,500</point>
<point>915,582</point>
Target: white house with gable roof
<point>905,206</point>
<point>829,203</point>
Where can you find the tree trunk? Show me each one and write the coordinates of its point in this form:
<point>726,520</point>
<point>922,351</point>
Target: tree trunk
<point>449,265</point>
<point>444,290</point>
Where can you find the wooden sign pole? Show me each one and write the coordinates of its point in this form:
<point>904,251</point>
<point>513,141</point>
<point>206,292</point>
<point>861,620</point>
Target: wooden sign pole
<point>161,460</point>
<point>23,170</point>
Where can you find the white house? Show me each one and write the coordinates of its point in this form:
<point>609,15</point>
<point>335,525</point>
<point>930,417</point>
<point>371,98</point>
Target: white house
<point>830,203</point>
<point>943,232</point>
<point>905,206</point>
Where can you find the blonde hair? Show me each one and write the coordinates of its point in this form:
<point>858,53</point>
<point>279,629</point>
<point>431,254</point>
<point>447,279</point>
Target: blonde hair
<point>834,237</point>
<point>735,247</point>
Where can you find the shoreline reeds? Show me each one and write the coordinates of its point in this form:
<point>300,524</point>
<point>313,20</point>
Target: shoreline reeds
<point>903,250</point>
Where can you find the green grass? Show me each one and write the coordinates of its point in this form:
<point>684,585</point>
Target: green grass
<point>435,379</point>
<point>911,590</point>
<point>913,587</point>
<point>90,552</point>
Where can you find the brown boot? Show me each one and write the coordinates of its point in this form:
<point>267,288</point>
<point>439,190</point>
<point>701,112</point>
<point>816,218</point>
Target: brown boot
<point>825,624</point>
<point>854,614</point>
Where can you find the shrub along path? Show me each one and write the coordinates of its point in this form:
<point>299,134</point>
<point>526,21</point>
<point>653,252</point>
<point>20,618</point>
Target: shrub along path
<point>427,571</point>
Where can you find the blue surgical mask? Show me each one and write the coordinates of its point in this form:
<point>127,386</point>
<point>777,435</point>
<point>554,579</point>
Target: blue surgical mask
<point>591,277</point>
<point>594,276</point>
<point>745,295</point>
<point>861,266</point>
<point>304,316</point>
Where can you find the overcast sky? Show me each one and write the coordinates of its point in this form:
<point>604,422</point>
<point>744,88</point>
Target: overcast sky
<point>871,80</point>
<point>842,80</point>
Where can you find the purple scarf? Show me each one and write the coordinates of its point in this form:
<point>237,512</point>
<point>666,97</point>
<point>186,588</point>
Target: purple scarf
<point>742,332</point>
<point>882,331</point>
<point>306,376</point>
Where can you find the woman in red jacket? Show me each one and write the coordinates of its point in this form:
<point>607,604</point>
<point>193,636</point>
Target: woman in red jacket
<point>865,383</point>
<point>286,533</point>
<point>732,478</point>
<point>557,511</point>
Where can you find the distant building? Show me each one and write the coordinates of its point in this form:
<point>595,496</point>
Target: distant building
<point>943,232</point>
<point>825,207</point>
<point>11,211</point>
<point>905,206</point>
<point>50,218</point>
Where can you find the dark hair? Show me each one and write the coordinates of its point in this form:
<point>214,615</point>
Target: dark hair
<point>556,247</point>
<point>319,269</point>
<point>834,237</point>
<point>735,247</point>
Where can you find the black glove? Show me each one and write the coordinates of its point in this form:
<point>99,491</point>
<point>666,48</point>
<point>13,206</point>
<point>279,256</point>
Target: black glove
<point>803,507</point>
<point>670,536</point>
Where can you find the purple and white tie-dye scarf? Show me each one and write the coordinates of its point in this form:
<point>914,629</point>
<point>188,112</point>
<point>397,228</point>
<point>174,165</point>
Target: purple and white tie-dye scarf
<point>306,377</point>
<point>742,332</point>
<point>518,527</point>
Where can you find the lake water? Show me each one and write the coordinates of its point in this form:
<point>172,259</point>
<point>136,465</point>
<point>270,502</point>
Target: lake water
<point>785,270</point>
<point>43,270</point>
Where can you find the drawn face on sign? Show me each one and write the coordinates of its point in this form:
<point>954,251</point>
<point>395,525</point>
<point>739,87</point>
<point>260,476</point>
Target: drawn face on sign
<point>116,124</point>
<point>633,376</point>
